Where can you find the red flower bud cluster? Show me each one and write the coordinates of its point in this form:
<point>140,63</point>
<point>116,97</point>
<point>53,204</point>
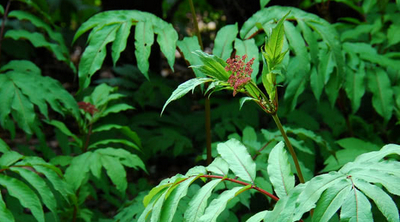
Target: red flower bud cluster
<point>87,107</point>
<point>241,72</point>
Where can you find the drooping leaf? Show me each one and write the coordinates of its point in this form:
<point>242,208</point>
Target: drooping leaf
<point>24,194</point>
<point>223,41</point>
<point>9,157</point>
<point>218,205</point>
<point>199,202</point>
<point>355,86</point>
<point>37,40</point>
<point>22,66</point>
<point>279,170</point>
<point>121,38</point>
<point>78,171</point>
<point>115,171</point>
<point>317,83</point>
<point>382,200</point>
<point>39,184</point>
<point>167,38</point>
<point>95,52</point>
<point>63,128</point>
<point>123,129</point>
<point>382,100</point>
<point>184,88</point>
<point>116,109</point>
<point>144,39</point>
<point>296,86</point>
<point>238,159</point>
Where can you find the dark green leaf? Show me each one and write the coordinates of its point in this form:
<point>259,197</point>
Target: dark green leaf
<point>382,100</point>
<point>5,214</point>
<point>121,38</point>
<point>355,86</point>
<point>115,171</point>
<point>94,54</point>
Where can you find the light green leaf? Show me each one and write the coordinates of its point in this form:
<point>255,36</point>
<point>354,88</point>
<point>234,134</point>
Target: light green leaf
<point>263,3</point>
<point>116,109</point>
<point>5,214</point>
<point>40,185</point>
<point>285,207</point>
<point>4,147</point>
<point>313,191</point>
<point>167,38</point>
<point>381,173</point>
<point>223,41</point>
<point>171,204</point>
<point>355,86</point>
<point>187,46</point>
<point>78,171</point>
<point>144,39</point>
<point>331,200</point>
<point>199,202</point>
<point>94,54</point>
<point>258,217</point>
<point>394,33</point>
<point>121,38</point>
<point>382,99</point>
<point>379,155</point>
<point>103,94</point>
<point>356,207</point>
<point>248,47</point>
<point>95,165</point>
<point>382,200</point>
<point>184,88</point>
<point>238,158</point>
<point>9,157</point>
<point>212,66</point>
<point>24,194</point>
<point>22,66</point>
<point>219,166</point>
<point>279,170</point>
<point>218,205</point>
<point>115,171</point>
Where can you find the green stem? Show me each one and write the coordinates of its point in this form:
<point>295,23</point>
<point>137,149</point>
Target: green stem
<point>289,145</point>
<point>207,108</point>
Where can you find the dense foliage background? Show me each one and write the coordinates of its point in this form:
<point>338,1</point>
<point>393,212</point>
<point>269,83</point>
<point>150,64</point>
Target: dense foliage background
<point>81,94</point>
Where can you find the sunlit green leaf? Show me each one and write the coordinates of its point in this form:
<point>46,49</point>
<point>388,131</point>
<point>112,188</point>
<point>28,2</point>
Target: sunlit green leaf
<point>279,170</point>
<point>382,100</point>
<point>356,207</point>
<point>187,46</point>
<point>144,39</point>
<point>223,41</point>
<point>238,159</point>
